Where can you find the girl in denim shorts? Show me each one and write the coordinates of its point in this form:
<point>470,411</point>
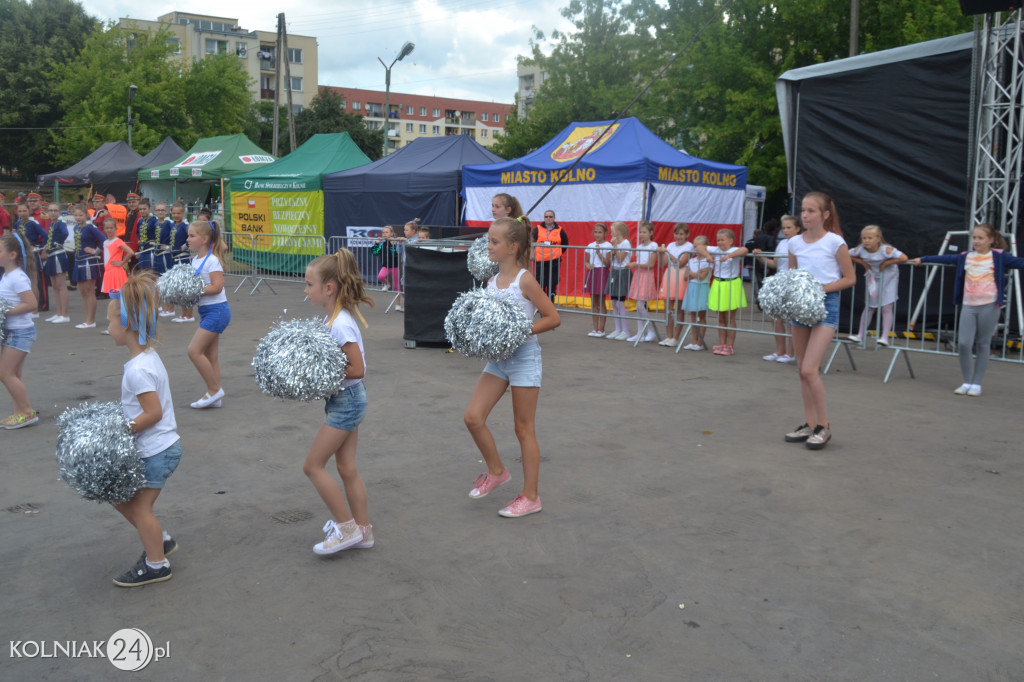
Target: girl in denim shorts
<point>822,251</point>
<point>335,284</point>
<point>214,312</point>
<point>508,244</point>
<point>19,332</point>
<point>146,401</point>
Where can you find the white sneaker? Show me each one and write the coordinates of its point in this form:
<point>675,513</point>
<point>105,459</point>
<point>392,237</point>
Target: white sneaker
<point>694,346</point>
<point>883,342</point>
<point>51,318</point>
<point>634,338</point>
<point>60,320</point>
<point>398,309</point>
<point>339,536</point>
<point>85,325</point>
<point>974,391</point>
<point>771,358</point>
<point>667,342</point>
<point>649,338</point>
<point>785,359</point>
<point>619,336</point>
<point>599,335</point>
<point>592,332</point>
<point>854,338</point>
<point>164,313</point>
<point>105,331</point>
<point>209,400</point>
<point>962,389</point>
<point>367,541</point>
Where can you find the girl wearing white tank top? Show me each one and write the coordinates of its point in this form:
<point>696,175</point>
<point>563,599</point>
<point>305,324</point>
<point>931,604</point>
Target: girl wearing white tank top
<point>508,244</point>
<point>822,251</point>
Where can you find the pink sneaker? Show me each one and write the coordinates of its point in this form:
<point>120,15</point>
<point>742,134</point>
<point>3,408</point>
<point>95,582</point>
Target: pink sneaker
<point>521,506</point>
<point>485,483</point>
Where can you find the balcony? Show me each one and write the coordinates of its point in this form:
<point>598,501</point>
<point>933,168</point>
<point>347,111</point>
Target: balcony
<point>266,93</point>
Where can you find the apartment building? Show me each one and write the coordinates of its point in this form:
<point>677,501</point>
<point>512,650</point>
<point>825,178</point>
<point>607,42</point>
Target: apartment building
<point>197,35</point>
<point>413,116</point>
<point>531,77</point>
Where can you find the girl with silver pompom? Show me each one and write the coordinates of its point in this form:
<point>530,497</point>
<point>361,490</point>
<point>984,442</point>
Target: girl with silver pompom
<point>19,332</point>
<point>508,244</point>
<point>146,402</point>
<point>335,284</point>
<point>822,251</point>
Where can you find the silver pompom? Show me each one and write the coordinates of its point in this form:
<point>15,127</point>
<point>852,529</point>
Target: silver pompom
<point>180,286</point>
<point>478,263</point>
<point>793,295</point>
<point>485,324</point>
<point>299,360</point>
<point>96,453</point>
<point>4,307</point>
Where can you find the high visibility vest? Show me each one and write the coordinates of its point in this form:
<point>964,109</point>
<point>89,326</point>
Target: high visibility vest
<point>120,214</point>
<point>545,253</point>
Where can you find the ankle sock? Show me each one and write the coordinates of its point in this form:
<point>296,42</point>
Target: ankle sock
<point>163,564</point>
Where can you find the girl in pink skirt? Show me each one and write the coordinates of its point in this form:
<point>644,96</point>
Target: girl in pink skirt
<point>644,286</point>
<point>674,256</point>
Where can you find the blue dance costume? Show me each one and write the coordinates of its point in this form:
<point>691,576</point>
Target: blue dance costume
<point>148,232</point>
<point>57,261</point>
<point>88,265</point>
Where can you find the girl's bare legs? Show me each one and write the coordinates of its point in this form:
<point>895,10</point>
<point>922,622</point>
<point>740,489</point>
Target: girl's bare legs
<point>780,341</point>
<point>12,361</point>
<point>811,345</point>
<point>203,352</point>
<point>60,292</point>
<point>524,411</point>
<point>88,289</point>
<point>139,512</point>
<point>486,394</point>
<point>670,326</point>
<point>730,333</point>
<point>342,444</point>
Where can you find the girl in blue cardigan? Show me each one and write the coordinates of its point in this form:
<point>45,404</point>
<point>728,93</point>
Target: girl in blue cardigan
<point>978,289</point>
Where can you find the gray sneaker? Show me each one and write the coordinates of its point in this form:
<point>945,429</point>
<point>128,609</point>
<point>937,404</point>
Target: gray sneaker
<point>800,434</point>
<point>817,440</point>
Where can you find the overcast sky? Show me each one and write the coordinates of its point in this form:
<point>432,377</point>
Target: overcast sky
<point>464,48</point>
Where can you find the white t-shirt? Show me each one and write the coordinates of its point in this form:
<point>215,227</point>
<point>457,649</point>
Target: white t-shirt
<point>782,255</point>
<point>645,251</point>
<point>818,258</point>
<point>345,330</point>
<point>212,265</point>
<point>726,269</point>
<point>676,250</point>
<point>12,285</point>
<point>145,373</point>
<point>697,265</point>
<point>619,260</point>
<point>593,251</point>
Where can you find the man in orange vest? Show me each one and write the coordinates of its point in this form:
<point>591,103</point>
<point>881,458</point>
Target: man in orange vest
<point>119,213</point>
<point>549,239</point>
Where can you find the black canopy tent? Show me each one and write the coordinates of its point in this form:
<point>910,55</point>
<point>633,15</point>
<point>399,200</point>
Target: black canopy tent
<point>120,181</point>
<point>421,180</point>
<point>107,156</point>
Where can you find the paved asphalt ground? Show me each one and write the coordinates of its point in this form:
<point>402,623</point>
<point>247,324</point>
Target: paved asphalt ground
<point>681,538</point>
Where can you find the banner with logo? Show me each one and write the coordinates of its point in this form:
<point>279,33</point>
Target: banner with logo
<point>285,229</point>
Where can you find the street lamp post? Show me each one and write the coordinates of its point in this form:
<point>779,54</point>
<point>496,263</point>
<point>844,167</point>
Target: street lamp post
<point>132,90</point>
<point>405,52</point>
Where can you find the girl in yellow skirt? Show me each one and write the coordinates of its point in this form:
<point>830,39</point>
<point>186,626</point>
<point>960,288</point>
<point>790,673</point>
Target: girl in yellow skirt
<point>644,286</point>
<point>675,256</point>
<point>726,295</point>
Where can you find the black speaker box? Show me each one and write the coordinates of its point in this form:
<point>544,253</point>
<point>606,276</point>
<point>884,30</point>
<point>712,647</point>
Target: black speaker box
<point>969,7</point>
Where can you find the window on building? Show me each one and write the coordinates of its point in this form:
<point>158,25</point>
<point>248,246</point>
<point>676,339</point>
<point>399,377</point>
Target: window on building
<point>216,46</point>
<point>296,108</point>
<point>483,133</point>
<point>507,117</point>
<point>423,111</point>
<point>175,44</point>
<point>296,84</point>
<point>355,106</point>
<point>437,112</point>
<point>483,116</point>
<point>408,110</point>
<point>295,55</point>
<point>408,127</point>
<point>423,128</point>
<point>436,130</point>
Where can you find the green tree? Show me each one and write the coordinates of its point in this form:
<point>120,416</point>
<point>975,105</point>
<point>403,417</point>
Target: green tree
<point>259,126</point>
<point>184,99</point>
<point>326,114</point>
<point>35,40</point>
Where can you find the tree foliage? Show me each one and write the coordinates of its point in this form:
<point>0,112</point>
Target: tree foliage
<point>326,114</point>
<point>187,100</point>
<point>35,40</point>
<point>717,100</point>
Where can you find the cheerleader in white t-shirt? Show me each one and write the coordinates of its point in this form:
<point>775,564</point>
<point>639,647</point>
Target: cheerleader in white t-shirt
<point>822,251</point>
<point>214,312</point>
<point>19,330</point>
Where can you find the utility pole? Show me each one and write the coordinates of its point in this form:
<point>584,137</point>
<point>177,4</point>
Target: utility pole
<point>277,80</point>
<point>854,26</point>
<point>288,79</point>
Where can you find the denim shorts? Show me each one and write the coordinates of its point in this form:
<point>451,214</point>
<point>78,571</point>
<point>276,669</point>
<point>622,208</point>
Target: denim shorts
<point>831,313</point>
<point>215,317</point>
<point>522,369</point>
<point>346,408</point>
<point>160,466</point>
<point>21,339</point>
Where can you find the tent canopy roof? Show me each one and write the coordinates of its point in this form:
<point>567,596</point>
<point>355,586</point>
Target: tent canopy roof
<point>211,158</point>
<point>304,168</point>
<point>107,156</point>
<point>165,152</point>
<point>427,164</point>
<point>628,152</point>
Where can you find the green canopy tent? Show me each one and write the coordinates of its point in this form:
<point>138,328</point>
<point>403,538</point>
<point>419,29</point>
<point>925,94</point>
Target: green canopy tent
<point>211,160</point>
<point>284,201</point>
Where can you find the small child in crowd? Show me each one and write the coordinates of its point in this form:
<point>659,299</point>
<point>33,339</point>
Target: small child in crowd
<point>597,258</point>
<point>387,248</point>
<point>726,296</point>
<point>115,258</point>
<point>675,257</point>
<point>618,280</point>
<point>644,285</point>
<point>695,301</point>
<point>882,280</point>
<point>334,284</point>
<point>147,403</point>
<point>784,352</point>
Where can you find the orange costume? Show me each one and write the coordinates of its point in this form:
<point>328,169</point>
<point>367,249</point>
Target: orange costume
<point>114,276</point>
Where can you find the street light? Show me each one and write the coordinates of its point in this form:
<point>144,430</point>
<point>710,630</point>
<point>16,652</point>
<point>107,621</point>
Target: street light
<point>405,52</point>
<point>132,90</point>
